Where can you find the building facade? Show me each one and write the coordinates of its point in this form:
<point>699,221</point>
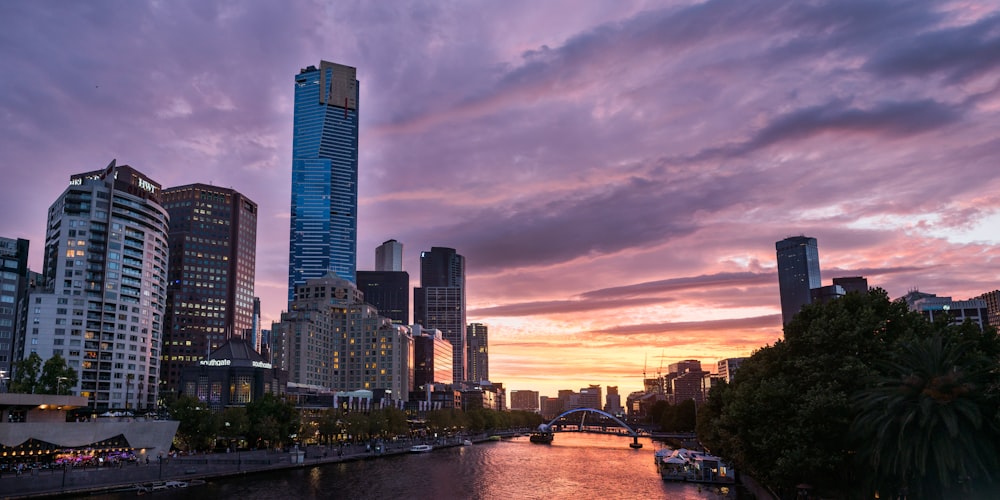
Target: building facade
<point>389,256</point>
<point>477,341</point>
<point>798,273</point>
<point>524,401</point>
<point>432,358</point>
<point>992,300</point>
<point>726,368</point>
<point>103,300</point>
<point>439,302</point>
<point>210,295</point>
<point>332,339</point>
<point>389,292</point>
<point>324,206</point>
<point>13,283</point>
<point>233,375</point>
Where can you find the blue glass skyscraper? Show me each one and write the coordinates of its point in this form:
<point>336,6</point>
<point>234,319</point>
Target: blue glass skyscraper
<point>323,235</point>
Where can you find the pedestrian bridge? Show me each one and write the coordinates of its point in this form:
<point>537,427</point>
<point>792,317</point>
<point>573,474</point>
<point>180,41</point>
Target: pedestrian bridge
<point>631,432</point>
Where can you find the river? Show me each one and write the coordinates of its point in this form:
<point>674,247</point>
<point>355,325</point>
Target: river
<point>574,466</point>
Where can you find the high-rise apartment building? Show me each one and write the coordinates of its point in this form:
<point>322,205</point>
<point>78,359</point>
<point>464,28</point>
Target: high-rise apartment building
<point>439,302</point>
<point>324,219</point>
<point>331,338</point>
<point>477,341</point>
<point>613,401</point>
<point>798,273</point>
<point>13,282</point>
<point>389,256</point>
<point>210,296</point>
<point>524,401</point>
<point>102,303</point>
<point>726,368</point>
<point>992,300</point>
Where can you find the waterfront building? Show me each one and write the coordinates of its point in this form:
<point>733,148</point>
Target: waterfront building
<point>726,368</point>
<point>332,338</point>
<point>324,206</point>
<point>235,374</point>
<point>433,360</point>
<point>524,401</point>
<point>477,341</point>
<point>613,401</point>
<point>389,292</point>
<point>13,286</point>
<point>439,302</point>
<point>210,295</point>
<point>389,256</point>
<point>102,303</point>
<point>798,273</point>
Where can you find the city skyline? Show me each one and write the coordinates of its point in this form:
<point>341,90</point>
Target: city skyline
<point>615,175</point>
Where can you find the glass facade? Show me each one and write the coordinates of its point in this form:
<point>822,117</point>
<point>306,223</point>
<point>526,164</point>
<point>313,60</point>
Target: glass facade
<point>439,302</point>
<point>323,228</point>
<point>798,273</point>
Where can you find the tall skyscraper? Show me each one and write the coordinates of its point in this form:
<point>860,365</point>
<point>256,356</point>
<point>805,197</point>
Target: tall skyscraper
<point>477,341</point>
<point>389,256</point>
<point>439,302</point>
<point>798,273</point>
<point>324,219</point>
<point>389,292</point>
<point>103,300</point>
<point>210,295</point>
<point>13,282</point>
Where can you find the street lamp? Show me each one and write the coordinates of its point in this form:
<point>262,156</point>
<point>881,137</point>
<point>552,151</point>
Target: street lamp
<point>59,382</point>
<point>3,381</point>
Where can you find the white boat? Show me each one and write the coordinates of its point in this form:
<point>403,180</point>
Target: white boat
<point>421,448</point>
<point>466,442</point>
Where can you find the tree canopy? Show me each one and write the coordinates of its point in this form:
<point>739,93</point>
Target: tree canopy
<point>801,410</point>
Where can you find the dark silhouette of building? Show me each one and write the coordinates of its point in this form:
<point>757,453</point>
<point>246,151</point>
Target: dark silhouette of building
<point>13,284</point>
<point>389,292</point>
<point>439,302</point>
<point>477,341</point>
<point>852,284</point>
<point>798,273</point>
<point>432,358</point>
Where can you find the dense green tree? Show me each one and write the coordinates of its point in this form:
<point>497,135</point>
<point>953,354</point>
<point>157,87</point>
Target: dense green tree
<point>26,372</point>
<point>929,426</point>
<point>330,424</point>
<point>57,377</point>
<point>273,421</point>
<point>199,425</point>
<point>235,424</point>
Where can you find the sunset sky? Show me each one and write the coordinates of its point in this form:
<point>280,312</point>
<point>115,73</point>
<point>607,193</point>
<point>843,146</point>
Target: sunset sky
<point>615,172</point>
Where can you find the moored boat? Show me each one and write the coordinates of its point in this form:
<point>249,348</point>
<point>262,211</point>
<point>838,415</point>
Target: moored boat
<point>421,448</point>
<point>543,435</point>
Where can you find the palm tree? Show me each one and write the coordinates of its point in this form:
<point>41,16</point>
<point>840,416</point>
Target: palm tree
<point>928,427</point>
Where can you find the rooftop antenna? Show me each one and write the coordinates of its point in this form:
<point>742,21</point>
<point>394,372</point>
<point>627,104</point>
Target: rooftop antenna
<point>644,358</point>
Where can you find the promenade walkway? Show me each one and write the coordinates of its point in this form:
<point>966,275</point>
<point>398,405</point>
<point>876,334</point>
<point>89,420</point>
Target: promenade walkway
<point>54,482</point>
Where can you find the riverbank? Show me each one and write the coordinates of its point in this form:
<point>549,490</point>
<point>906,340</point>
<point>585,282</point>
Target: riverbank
<point>72,482</point>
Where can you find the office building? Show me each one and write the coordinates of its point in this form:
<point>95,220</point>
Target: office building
<point>477,341</point>
<point>726,368</point>
<point>332,339</point>
<point>433,359</point>
<point>524,401</point>
<point>389,256</point>
<point>13,283</point>
<point>852,284</point>
<point>210,295</point>
<point>389,292</point>
<point>992,300</point>
<point>590,397</point>
<point>613,401</point>
<point>103,300</point>
<point>685,381</point>
<point>439,302</point>
<point>324,206</point>
<point>957,311</point>
<point>798,273</point>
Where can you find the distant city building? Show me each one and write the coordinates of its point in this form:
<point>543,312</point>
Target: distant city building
<point>210,290</point>
<point>233,375</point>
<point>825,294</point>
<point>957,311</point>
<point>324,218</point>
<point>590,397</point>
<point>13,286</point>
<point>852,284</point>
<point>477,340</point>
<point>613,401</point>
<point>433,360</point>
<point>389,256</point>
<point>439,302</point>
<point>551,407</point>
<point>524,401</point>
<point>992,300</point>
<point>685,381</point>
<point>727,368</point>
<point>331,338</point>
<point>254,334</point>
<point>103,300</point>
<point>798,273</point>
<point>389,292</point>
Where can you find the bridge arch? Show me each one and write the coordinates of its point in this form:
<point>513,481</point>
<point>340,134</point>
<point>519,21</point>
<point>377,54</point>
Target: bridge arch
<point>631,431</point>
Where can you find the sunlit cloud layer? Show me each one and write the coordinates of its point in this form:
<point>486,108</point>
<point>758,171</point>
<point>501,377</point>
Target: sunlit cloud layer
<point>615,173</point>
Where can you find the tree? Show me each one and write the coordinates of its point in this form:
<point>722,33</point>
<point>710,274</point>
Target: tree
<point>57,377</point>
<point>786,416</point>
<point>26,371</point>
<point>929,426</point>
<point>198,426</point>
<point>273,420</point>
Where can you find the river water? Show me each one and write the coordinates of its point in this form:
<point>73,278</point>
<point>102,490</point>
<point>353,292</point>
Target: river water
<point>574,466</point>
